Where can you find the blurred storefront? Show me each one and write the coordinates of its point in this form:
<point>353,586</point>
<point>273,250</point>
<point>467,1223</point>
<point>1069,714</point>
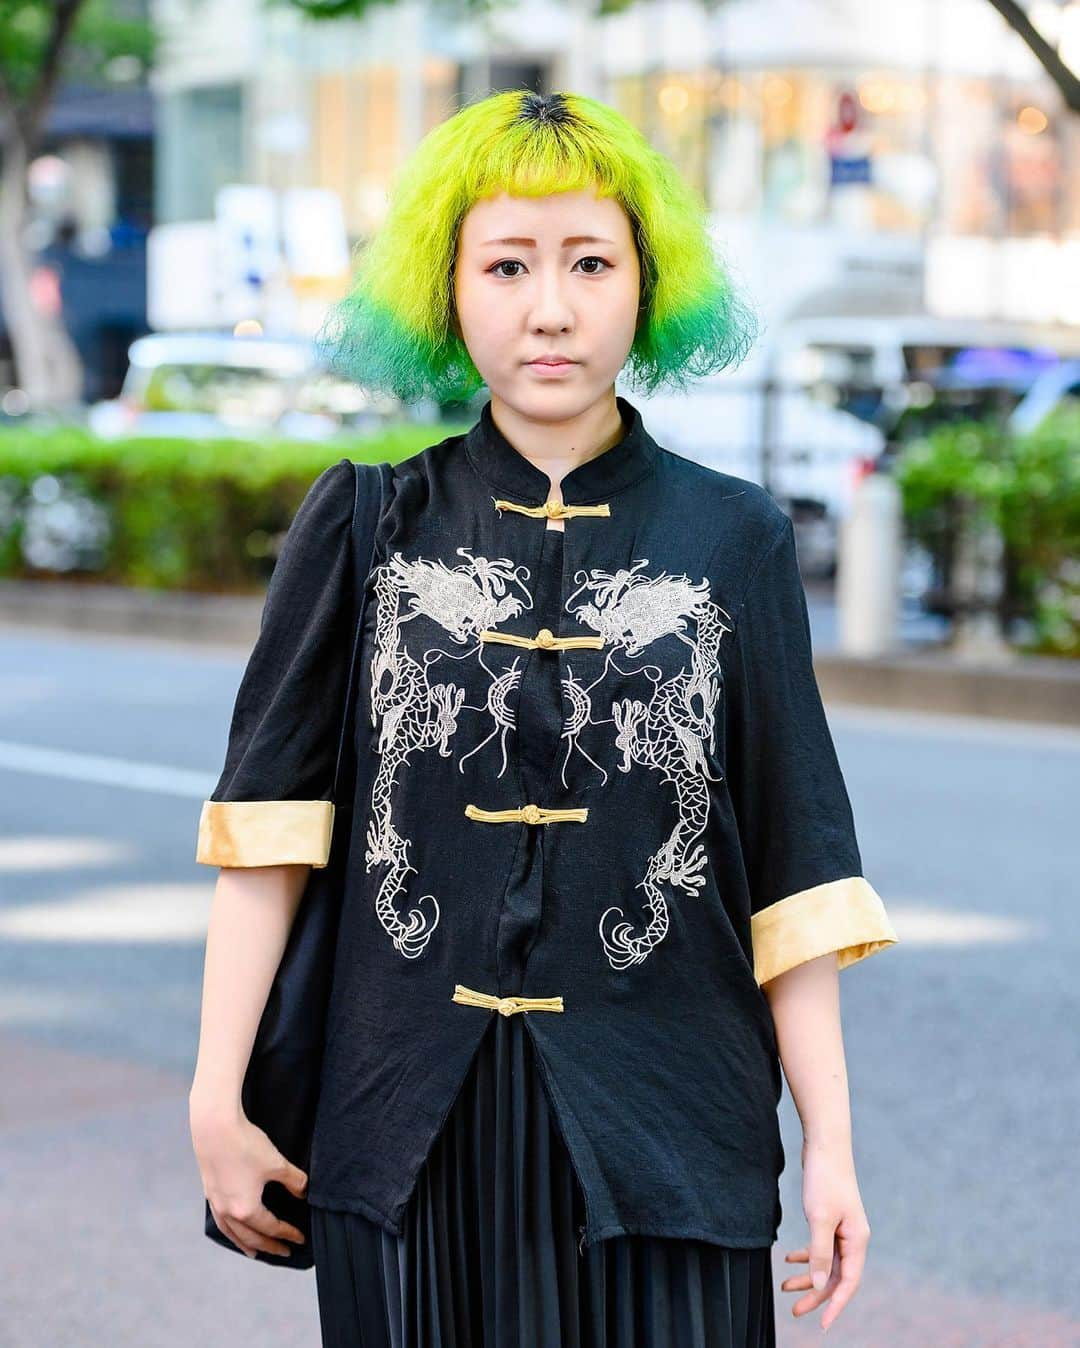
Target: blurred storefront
<point>895,146</point>
<point>874,150</point>
<point>867,136</point>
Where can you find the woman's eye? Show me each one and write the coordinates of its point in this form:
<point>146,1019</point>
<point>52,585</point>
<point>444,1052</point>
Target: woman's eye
<point>510,262</point>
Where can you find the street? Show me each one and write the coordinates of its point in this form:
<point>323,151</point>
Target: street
<point>961,1040</point>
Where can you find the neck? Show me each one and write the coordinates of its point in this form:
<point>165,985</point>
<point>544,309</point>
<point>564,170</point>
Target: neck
<point>556,448</point>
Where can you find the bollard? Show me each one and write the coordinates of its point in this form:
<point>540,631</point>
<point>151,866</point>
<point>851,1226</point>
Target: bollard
<point>868,568</point>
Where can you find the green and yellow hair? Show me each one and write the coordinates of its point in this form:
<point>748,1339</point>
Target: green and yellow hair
<point>394,330</point>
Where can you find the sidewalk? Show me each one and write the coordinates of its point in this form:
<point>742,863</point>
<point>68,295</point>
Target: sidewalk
<point>922,678</point>
<point>106,1242</point>
<point>108,1246</point>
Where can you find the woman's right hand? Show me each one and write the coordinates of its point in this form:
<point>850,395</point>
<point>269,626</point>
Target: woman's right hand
<point>236,1159</point>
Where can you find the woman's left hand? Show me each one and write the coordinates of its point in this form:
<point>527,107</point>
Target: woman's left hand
<point>839,1233</point>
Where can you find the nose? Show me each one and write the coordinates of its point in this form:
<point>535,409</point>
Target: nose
<point>551,309</point>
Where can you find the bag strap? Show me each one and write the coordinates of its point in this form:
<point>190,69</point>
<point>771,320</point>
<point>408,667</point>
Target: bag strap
<point>372,488</point>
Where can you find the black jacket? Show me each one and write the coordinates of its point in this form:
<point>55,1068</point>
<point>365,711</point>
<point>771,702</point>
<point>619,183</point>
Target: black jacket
<point>595,773</point>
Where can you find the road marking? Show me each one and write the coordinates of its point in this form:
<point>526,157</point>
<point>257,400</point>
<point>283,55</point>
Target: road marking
<point>102,771</point>
<point>115,913</point>
<point>926,925</point>
<point>38,853</point>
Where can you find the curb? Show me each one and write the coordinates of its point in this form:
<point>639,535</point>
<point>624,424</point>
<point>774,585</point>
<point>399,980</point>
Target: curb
<point>1028,688</point>
<point>120,610</point>
<point>1033,688</point>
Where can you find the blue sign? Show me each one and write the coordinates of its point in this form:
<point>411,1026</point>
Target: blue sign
<point>846,170</point>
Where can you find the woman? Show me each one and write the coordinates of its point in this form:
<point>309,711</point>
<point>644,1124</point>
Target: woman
<point>595,779</point>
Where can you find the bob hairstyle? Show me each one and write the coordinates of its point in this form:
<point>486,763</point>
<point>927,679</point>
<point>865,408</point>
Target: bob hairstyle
<point>396,329</point>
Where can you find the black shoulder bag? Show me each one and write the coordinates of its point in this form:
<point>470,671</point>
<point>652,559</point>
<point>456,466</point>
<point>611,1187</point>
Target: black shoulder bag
<point>281,1083</point>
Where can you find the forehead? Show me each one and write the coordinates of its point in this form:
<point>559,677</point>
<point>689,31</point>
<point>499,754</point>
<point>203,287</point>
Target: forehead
<point>548,219</point>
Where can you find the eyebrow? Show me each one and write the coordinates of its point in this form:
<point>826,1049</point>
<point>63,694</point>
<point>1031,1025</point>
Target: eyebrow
<point>531,243</point>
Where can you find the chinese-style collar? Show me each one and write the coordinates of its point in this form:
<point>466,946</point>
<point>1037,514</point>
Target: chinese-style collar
<point>503,467</point>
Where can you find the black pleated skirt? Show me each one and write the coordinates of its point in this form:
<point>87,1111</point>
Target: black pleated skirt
<point>489,1254</point>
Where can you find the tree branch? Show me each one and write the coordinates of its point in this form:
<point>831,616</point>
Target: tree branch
<point>32,112</point>
<point>1016,16</point>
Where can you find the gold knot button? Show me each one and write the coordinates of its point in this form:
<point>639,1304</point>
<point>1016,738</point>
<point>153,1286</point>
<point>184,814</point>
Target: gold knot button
<point>531,814</point>
<point>545,637</point>
<point>506,1006</point>
<point>555,510</point>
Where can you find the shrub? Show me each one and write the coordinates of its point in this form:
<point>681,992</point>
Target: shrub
<point>164,513</point>
<point>1027,488</point>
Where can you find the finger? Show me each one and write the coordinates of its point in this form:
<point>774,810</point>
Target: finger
<point>819,1255</point>
<point>223,1224</point>
<point>842,1294</point>
<point>226,1226</point>
<point>292,1177</point>
<point>812,1300</point>
<point>852,1263</point>
<point>815,1296</point>
<point>286,1231</point>
<point>798,1282</point>
<point>272,1227</point>
<point>822,1247</point>
<point>255,1239</point>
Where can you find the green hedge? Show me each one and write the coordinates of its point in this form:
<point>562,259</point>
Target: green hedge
<point>165,514</point>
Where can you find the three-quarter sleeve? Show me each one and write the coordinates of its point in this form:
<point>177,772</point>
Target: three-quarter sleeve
<point>808,895</point>
<point>273,801</point>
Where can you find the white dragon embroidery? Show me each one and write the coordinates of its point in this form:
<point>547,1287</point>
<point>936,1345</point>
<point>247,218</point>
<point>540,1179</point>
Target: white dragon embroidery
<point>418,714</point>
<point>669,732</point>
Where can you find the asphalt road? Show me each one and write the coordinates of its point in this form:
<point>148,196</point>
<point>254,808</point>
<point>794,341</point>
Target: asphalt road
<point>961,1041</point>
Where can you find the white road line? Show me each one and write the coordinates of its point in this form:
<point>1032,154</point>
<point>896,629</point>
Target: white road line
<point>191,785</point>
<point>101,771</point>
<point>118,913</point>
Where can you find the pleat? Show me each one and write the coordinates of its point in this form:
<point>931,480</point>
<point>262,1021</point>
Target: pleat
<point>488,1256</point>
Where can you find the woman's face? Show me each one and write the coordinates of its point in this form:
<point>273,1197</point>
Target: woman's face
<point>543,276</point>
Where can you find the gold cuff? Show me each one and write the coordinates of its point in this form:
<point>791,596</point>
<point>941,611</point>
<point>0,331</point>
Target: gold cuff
<point>265,832</point>
<point>847,916</point>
